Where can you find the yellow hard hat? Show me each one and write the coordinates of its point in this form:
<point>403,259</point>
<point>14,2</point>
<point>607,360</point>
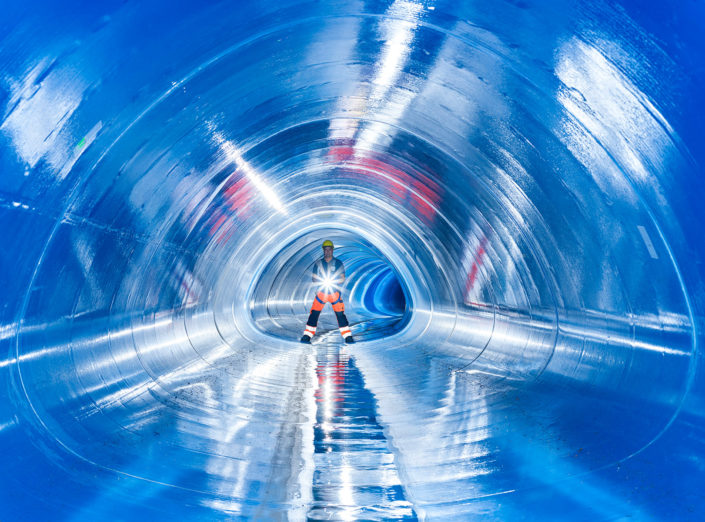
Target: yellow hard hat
<point>327,242</point>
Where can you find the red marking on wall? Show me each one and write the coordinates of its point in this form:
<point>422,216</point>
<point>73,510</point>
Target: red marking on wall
<point>232,206</point>
<point>477,263</point>
<point>412,189</point>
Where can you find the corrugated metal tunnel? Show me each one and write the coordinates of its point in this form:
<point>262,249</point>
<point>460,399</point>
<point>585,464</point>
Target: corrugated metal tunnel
<point>515,189</point>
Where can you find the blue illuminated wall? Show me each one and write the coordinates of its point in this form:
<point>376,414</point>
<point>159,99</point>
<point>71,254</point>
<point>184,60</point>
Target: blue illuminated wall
<point>516,189</point>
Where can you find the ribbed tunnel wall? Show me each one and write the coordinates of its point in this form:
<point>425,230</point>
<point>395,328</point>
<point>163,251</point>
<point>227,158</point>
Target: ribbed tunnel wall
<point>516,189</point>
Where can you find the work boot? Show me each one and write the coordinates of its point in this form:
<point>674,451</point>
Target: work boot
<point>306,339</point>
<point>349,340</point>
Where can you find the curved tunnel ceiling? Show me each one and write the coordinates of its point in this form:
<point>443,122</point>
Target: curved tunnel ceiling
<point>514,187</point>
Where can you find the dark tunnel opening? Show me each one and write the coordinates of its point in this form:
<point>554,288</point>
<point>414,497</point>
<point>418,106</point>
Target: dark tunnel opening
<point>384,294</point>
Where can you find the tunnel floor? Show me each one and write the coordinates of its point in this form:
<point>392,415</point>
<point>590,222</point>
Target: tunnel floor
<point>355,476</point>
<point>378,430</point>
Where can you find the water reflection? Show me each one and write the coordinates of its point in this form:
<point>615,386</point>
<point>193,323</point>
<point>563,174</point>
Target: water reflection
<point>355,477</point>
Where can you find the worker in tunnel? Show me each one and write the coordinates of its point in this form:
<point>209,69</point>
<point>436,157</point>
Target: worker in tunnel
<point>328,277</point>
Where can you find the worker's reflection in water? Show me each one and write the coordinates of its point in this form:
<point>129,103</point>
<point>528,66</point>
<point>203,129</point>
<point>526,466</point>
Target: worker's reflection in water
<point>328,277</point>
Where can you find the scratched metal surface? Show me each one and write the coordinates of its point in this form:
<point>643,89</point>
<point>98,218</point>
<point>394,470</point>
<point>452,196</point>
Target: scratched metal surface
<point>515,188</point>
